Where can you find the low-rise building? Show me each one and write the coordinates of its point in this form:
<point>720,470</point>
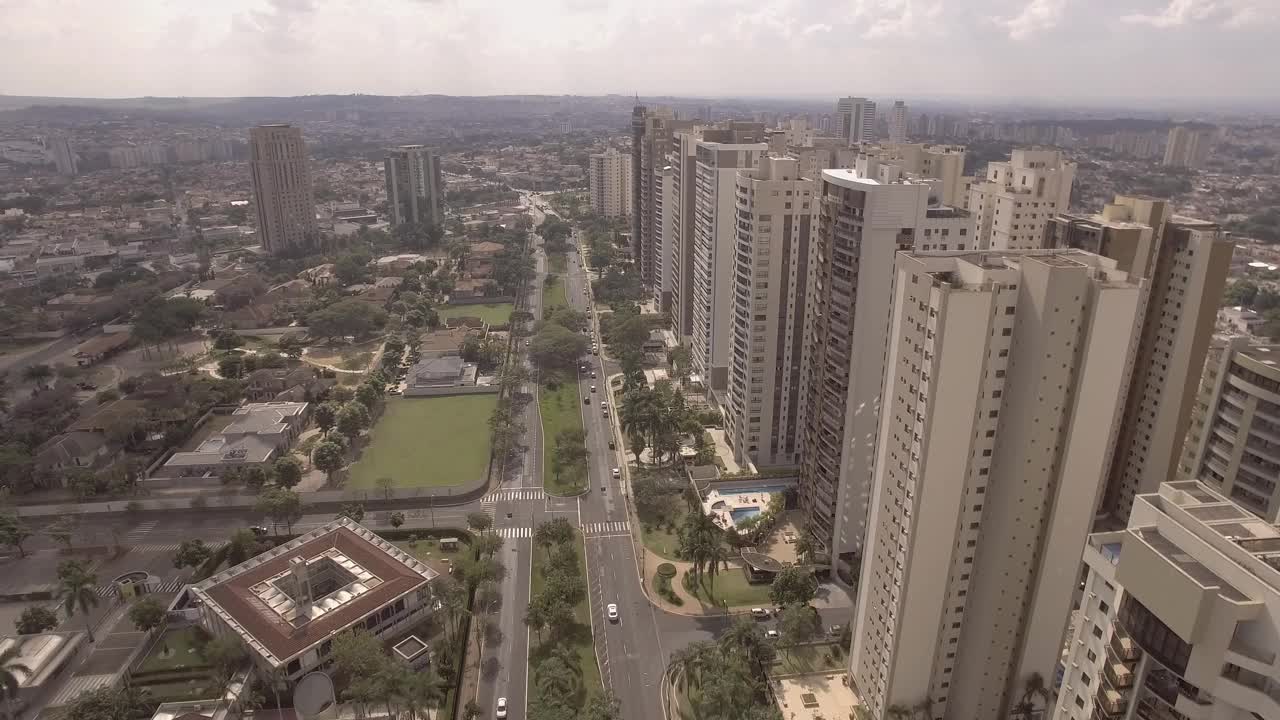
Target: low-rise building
<point>37,661</point>
<point>442,372</point>
<point>287,605</point>
<point>259,434</point>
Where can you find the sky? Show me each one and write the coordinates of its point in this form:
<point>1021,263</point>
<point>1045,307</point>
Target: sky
<point>1032,49</point>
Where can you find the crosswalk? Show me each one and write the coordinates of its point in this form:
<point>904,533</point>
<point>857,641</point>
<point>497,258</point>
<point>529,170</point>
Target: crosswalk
<point>605,528</point>
<point>513,495</point>
<point>173,547</point>
<point>136,535</point>
<point>514,533</point>
<point>78,685</point>
<point>108,591</point>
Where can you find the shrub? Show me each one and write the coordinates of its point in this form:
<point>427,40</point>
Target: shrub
<point>662,584</point>
<point>667,570</point>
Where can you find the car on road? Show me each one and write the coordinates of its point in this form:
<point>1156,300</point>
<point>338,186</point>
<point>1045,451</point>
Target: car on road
<point>617,473</point>
<point>771,635</point>
<point>835,630</point>
<point>613,612</point>
<point>593,388</point>
<point>258,530</point>
<point>501,711</point>
<point>604,405</point>
<point>612,445</point>
<point>593,374</point>
<point>586,401</point>
<point>759,613</point>
<point>526,343</point>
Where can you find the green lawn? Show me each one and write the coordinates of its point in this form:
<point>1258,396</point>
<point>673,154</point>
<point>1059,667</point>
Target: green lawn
<point>428,442</point>
<point>808,658</point>
<point>558,263</point>
<point>561,409</point>
<point>493,313</point>
<point>578,636</point>
<point>730,587</point>
<point>664,540</point>
<point>175,650</point>
<point>554,295</point>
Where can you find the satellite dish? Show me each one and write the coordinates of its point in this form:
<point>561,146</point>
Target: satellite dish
<point>313,697</point>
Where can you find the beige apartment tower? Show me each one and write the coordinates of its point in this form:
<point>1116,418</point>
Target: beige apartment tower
<point>899,121</point>
<point>862,223</point>
<point>1187,147</point>
<point>279,163</point>
<point>776,212</point>
<point>609,176</point>
<point>856,120</point>
<point>415,187</point>
<point>1013,205</point>
<point>1185,262</point>
<point>1003,386</point>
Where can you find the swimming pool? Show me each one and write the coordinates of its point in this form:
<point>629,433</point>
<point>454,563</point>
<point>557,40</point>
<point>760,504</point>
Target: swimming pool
<point>743,513</point>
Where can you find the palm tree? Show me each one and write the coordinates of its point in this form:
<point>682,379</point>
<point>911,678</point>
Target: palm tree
<point>10,669</point>
<point>744,639</point>
<point>1035,688</point>
<point>805,545</point>
<point>422,692</point>
<point>78,596</point>
<point>898,712</point>
<point>691,663</point>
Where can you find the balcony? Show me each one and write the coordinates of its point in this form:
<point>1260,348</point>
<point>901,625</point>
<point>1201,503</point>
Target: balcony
<point>1110,702</point>
<point>1118,675</point>
<point>1123,646</point>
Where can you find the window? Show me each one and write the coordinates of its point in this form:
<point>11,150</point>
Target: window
<point>1093,656</point>
<point>1097,631</point>
<point>1079,702</point>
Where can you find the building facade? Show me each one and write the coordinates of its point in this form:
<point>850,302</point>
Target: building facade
<point>899,121</point>
<point>989,463</point>
<point>715,241</point>
<point>1187,147</point>
<point>1186,263</point>
<point>655,143</point>
<point>282,194</point>
<point>944,163</point>
<point>1013,205</point>
<point>1233,439</point>
<point>661,242</point>
<point>415,186</point>
<point>856,120</point>
<point>1177,620</point>
<point>862,223</point>
<point>609,175</point>
<point>776,221</point>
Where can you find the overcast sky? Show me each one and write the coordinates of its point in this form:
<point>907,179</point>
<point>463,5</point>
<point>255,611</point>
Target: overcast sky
<point>913,48</point>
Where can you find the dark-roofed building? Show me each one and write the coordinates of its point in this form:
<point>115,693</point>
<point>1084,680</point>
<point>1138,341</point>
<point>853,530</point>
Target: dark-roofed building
<point>287,604</point>
<point>75,449</point>
<point>300,384</point>
<point>99,348</point>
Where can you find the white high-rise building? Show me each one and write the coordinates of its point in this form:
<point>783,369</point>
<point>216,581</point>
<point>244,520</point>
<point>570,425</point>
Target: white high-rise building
<point>862,223</point>
<point>415,187</point>
<point>609,178</point>
<point>1187,147</point>
<point>1003,390</point>
<point>1177,615</point>
<point>715,236</point>
<point>899,121</point>
<point>661,194</point>
<point>856,120</point>
<point>944,163</point>
<point>64,157</point>
<point>1010,209</point>
<point>282,195</point>
<point>776,222</point>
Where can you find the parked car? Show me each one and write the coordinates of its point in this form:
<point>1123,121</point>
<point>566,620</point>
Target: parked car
<point>759,613</point>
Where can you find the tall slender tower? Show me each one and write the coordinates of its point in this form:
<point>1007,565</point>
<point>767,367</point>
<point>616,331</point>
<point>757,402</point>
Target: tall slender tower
<point>898,121</point>
<point>856,120</point>
<point>415,189</point>
<point>1003,390</point>
<point>282,194</point>
<point>637,184</point>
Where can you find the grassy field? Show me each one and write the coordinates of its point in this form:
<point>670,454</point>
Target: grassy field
<point>175,651</point>
<point>730,587</point>
<point>428,442</point>
<point>578,636</point>
<point>561,409</point>
<point>493,313</point>
<point>347,357</point>
<point>664,540</point>
<point>554,295</point>
<point>558,263</point>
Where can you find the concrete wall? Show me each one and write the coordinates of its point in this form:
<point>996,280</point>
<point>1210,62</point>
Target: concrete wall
<point>453,390</point>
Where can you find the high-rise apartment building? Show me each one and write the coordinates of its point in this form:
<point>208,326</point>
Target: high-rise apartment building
<point>823,153</point>
<point>1186,263</point>
<point>862,223</point>
<point>1176,617</point>
<point>609,177</point>
<point>1187,147</point>
<point>64,156</point>
<point>415,186</point>
<point>944,163</point>
<point>1010,209</point>
<point>279,163</point>
<point>1233,439</point>
<point>635,189</point>
<point>776,217</point>
<point>856,120</point>
<point>661,194</point>
<point>898,122</point>
<point>715,225</point>
<point>1003,386</point>
<point>656,141</point>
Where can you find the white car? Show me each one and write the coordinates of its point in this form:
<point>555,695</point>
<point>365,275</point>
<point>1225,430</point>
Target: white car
<point>617,473</point>
<point>613,612</point>
<point>771,634</point>
<point>593,388</point>
<point>501,711</point>
<point>604,405</point>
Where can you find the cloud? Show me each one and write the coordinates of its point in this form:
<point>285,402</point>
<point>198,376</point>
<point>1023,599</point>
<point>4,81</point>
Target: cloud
<point>816,28</point>
<point>904,19</point>
<point>1036,17</point>
<point>1228,13</point>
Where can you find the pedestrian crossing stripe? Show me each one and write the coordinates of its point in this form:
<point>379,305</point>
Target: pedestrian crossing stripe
<point>513,495</point>
<point>140,531</point>
<point>514,533</point>
<point>79,685</point>
<point>109,591</point>
<point>616,526</point>
<point>173,547</point>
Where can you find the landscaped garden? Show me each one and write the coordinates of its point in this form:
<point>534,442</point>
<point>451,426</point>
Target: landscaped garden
<point>177,669</point>
<point>561,410</point>
<point>427,442</point>
<point>728,587</point>
<point>567,640</point>
<point>491,313</point>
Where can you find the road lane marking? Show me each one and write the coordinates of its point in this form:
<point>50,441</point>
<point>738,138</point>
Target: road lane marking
<point>514,533</point>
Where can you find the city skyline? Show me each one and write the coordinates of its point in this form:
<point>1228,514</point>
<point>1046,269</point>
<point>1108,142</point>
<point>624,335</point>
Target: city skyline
<point>795,48</point>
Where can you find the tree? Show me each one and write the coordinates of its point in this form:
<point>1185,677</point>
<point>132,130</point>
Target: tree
<point>329,457</point>
<point>397,519</point>
<point>281,506</point>
<point>794,585</point>
<point>288,472</point>
<point>387,485</point>
<point>62,531</point>
<point>352,419</point>
<point>227,340</point>
<point>227,655</point>
<point>255,477</point>
<point>231,367</point>
<point>124,702</point>
<point>147,613</point>
<point>351,269</point>
<point>326,414</point>
<point>487,545</point>
<point>191,553</point>
<point>553,532</point>
<point>16,463</point>
<point>479,522</point>
<point>602,707</point>
<point>556,348</point>
<point>797,624</point>
<point>14,532</point>
<point>77,591</point>
<point>348,317</point>
<point>243,544</point>
<point>367,395</point>
<point>352,510</point>
<point>35,620</point>
<point>291,346</point>
<point>569,453</point>
<point>38,374</point>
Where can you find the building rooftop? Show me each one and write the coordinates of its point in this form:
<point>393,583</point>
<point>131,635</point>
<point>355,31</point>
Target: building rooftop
<point>42,655</point>
<point>302,593</point>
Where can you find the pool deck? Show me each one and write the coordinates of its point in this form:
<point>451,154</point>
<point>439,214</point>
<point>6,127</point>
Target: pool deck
<point>721,506</point>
